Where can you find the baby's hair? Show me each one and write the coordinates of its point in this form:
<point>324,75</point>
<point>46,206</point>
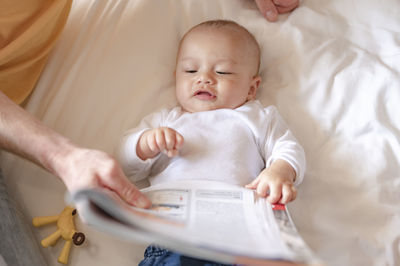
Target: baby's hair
<point>220,23</point>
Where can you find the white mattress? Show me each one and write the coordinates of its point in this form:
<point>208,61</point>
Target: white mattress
<point>331,67</point>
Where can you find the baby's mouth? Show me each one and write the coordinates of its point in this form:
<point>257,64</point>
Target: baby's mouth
<point>204,95</point>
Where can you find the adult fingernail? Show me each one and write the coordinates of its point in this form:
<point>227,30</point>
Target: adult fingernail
<point>271,16</point>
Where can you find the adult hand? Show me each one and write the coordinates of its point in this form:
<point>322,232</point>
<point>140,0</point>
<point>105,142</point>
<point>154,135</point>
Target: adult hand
<point>84,168</point>
<point>272,8</point>
<point>79,168</point>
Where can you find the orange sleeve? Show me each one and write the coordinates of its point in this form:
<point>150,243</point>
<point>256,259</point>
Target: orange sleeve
<point>28,31</point>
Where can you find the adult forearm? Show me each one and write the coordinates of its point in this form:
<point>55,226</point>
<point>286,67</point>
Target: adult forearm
<point>21,133</point>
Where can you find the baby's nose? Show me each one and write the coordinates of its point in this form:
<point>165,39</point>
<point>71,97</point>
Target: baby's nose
<point>205,78</point>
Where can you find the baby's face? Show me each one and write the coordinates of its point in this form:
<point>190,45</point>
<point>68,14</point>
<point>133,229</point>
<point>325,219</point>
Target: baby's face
<point>216,68</point>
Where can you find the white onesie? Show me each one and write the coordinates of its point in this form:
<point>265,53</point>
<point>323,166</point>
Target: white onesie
<point>227,145</point>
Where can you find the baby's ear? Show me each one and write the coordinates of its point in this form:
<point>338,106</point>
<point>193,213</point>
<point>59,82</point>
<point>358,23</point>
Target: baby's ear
<point>255,83</point>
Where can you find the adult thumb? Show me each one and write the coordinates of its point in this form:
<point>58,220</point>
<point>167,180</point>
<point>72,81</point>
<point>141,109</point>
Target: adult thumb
<point>267,9</point>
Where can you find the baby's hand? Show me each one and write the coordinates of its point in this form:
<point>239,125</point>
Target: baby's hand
<point>277,181</point>
<point>162,139</point>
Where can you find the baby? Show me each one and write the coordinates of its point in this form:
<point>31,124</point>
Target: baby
<point>218,131</point>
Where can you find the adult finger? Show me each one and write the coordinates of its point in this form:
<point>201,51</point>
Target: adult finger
<point>128,192</point>
<point>267,9</point>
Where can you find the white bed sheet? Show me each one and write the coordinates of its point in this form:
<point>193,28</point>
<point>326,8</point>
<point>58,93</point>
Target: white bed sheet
<point>332,68</point>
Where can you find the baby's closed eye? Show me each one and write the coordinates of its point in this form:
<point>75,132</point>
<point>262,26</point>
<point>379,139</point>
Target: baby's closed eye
<point>223,72</point>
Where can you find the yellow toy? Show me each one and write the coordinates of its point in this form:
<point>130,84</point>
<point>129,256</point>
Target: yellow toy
<point>66,230</point>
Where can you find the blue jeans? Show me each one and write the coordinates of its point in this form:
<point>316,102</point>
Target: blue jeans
<point>18,246</point>
<point>155,256</point>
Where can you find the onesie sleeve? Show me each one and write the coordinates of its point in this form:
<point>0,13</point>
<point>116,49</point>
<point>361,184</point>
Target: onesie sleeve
<point>280,143</point>
<point>135,168</point>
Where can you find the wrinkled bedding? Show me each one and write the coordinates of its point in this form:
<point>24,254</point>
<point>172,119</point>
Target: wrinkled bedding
<point>332,68</point>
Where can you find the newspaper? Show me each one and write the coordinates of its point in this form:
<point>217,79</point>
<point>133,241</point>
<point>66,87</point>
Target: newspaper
<point>203,219</point>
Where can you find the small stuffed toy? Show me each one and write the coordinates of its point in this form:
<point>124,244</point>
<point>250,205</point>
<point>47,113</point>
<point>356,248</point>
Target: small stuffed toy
<point>66,230</point>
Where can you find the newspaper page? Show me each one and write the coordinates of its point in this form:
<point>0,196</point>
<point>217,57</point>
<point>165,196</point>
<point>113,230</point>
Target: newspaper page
<point>220,216</point>
<point>204,218</point>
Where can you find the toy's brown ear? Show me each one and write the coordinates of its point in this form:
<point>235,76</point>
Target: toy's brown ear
<point>73,212</point>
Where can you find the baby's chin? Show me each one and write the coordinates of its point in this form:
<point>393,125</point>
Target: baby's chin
<point>204,107</point>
